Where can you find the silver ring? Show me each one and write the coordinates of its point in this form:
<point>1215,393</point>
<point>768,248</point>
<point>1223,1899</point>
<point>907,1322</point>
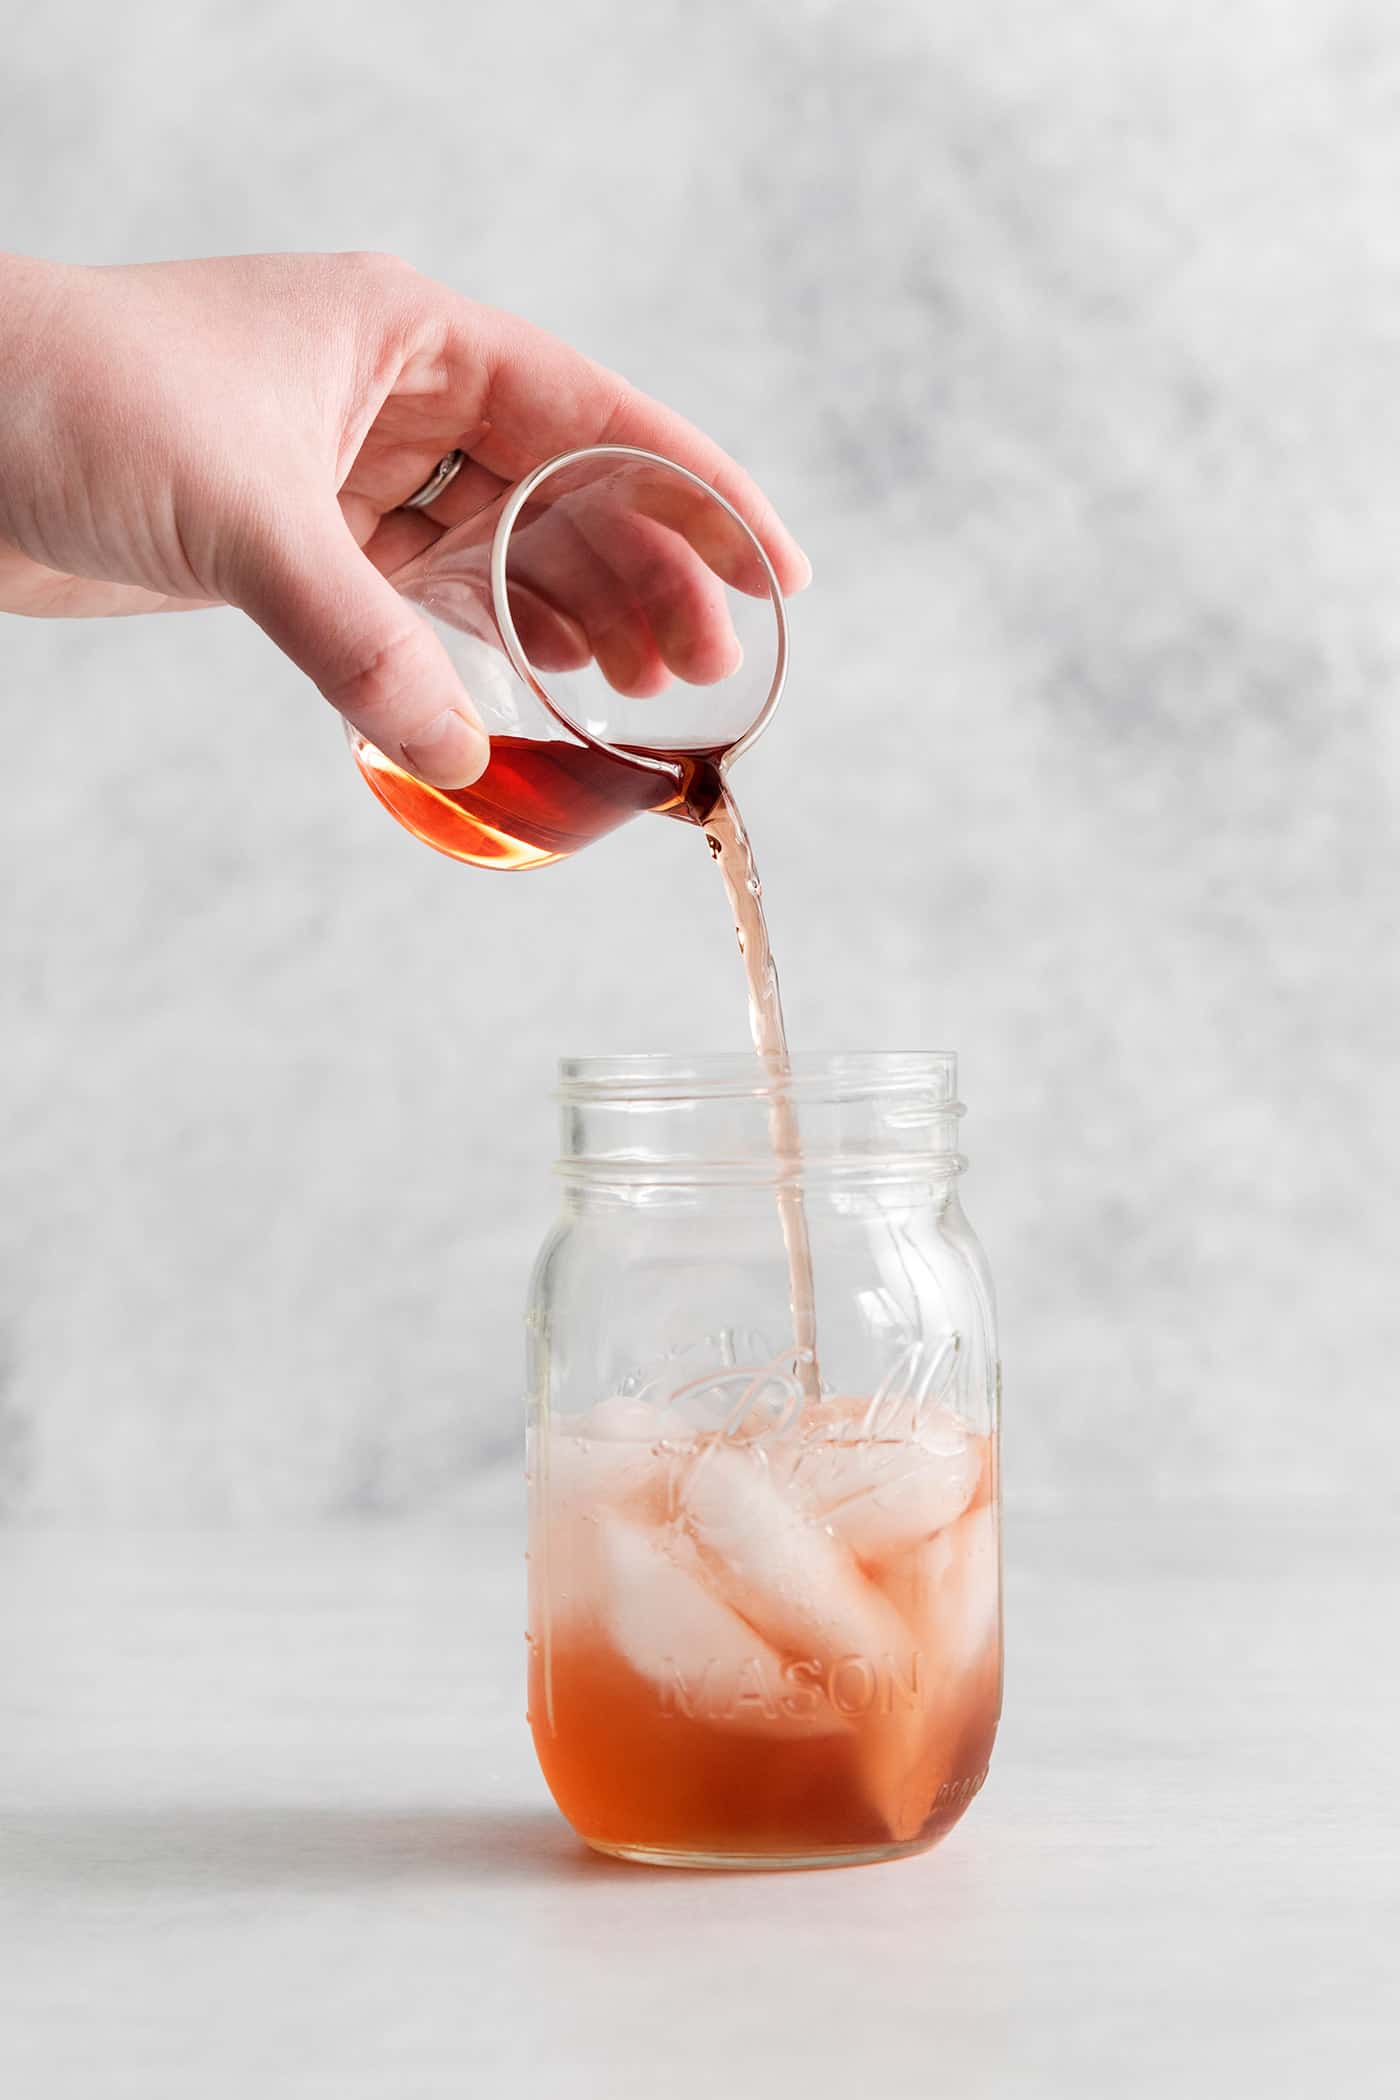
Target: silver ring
<point>443,474</point>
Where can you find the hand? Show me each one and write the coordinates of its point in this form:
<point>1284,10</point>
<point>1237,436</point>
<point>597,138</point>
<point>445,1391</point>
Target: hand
<point>241,431</point>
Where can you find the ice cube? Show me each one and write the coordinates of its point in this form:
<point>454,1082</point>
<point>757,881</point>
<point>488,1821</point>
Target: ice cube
<point>620,1454</point>
<point>883,1497</point>
<point>622,1419</point>
<point>654,1606</point>
<point>792,1580</point>
<point>947,1591</point>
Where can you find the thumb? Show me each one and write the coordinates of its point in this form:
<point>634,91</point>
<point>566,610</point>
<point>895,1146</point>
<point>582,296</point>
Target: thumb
<point>327,607</point>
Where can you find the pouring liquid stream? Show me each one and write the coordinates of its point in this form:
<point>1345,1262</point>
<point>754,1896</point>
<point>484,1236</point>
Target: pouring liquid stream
<point>711,803</point>
<point>541,799</point>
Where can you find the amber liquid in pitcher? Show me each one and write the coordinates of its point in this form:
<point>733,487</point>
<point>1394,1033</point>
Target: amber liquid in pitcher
<point>539,800</point>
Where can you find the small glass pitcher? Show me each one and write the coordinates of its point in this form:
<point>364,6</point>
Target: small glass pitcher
<point>765,1627</point>
<point>639,592</point>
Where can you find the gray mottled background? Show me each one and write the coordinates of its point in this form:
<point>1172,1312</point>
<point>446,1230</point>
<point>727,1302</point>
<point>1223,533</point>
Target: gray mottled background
<point>1070,342</point>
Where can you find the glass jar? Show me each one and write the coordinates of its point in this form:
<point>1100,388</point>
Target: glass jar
<point>765,1616</point>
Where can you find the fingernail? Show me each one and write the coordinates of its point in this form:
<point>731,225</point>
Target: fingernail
<point>806,576</point>
<point>451,752</point>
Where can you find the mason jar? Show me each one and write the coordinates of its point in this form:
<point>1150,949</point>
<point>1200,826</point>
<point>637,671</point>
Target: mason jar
<point>765,1614</point>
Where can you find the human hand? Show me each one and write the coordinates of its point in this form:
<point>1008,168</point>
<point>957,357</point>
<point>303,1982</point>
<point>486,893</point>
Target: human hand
<point>243,430</point>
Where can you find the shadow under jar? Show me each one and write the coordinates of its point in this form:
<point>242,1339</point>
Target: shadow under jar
<point>765,1627</point>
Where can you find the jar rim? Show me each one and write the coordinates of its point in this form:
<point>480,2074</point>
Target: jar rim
<point>740,1075</point>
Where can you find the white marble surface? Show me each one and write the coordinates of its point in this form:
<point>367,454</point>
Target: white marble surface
<point>1067,337</point>
<point>269,1826</point>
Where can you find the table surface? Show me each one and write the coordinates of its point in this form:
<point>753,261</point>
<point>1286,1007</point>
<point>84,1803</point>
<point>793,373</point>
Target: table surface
<point>269,1824</point>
